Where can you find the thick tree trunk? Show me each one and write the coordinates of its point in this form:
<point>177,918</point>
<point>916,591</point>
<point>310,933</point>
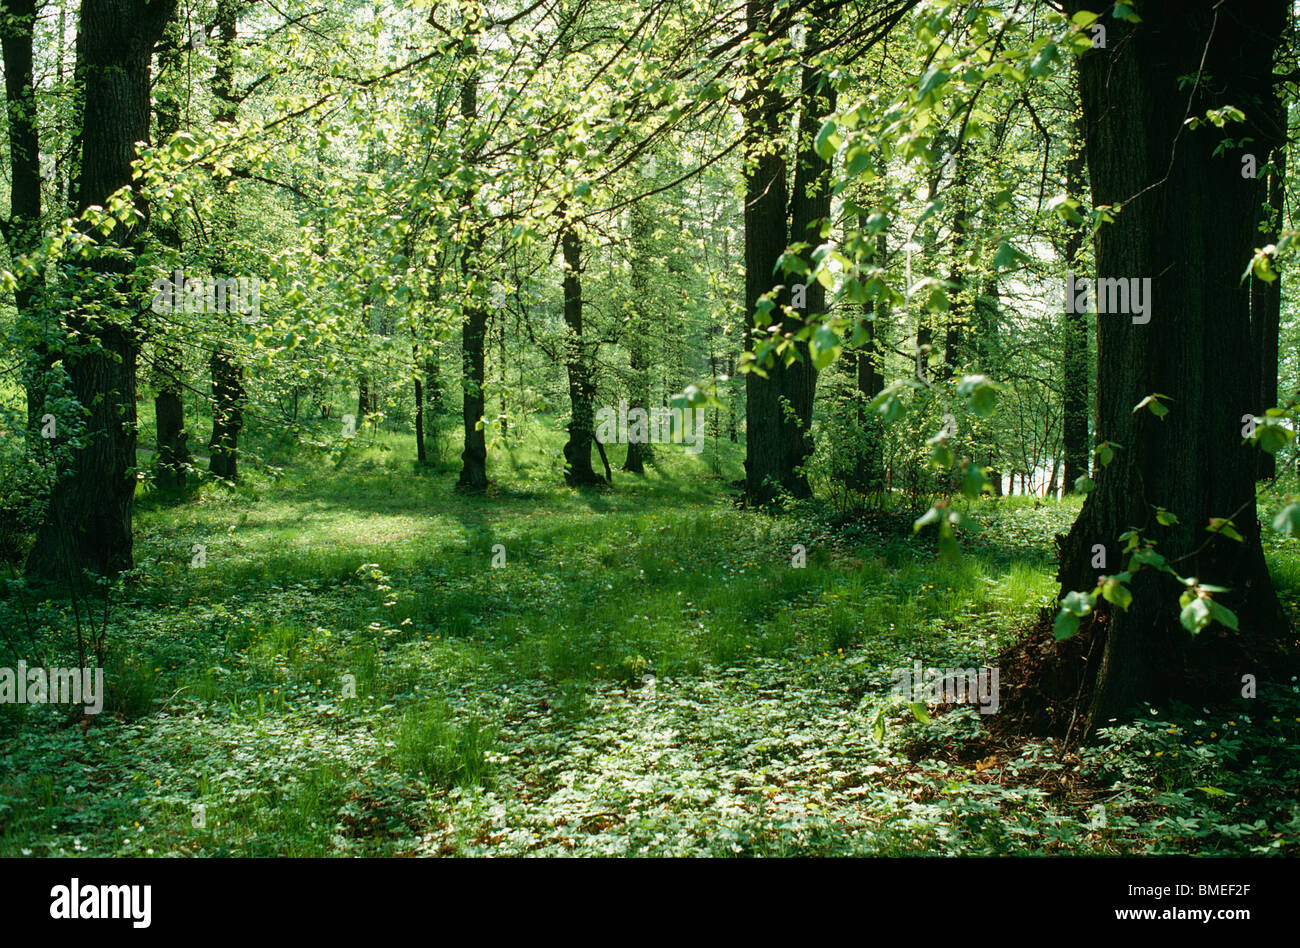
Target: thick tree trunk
<point>88,524</point>
<point>578,471</point>
<point>1189,225</point>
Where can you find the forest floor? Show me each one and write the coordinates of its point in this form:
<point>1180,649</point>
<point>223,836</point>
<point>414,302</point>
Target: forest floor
<point>647,673</point>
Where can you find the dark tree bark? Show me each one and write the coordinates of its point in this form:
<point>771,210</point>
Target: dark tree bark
<point>88,524</point>
<point>228,394</point>
<point>765,233</point>
<point>421,456</point>
<point>473,472</point>
<point>172,458</point>
<point>1075,367</point>
<point>779,407</point>
<point>578,471</point>
<point>638,344</point>
<point>1189,222</point>
<point>22,230</point>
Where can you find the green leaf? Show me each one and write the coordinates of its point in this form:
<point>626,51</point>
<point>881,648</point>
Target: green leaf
<point>1152,403</point>
<point>1224,527</point>
<point>1165,518</point>
<point>1067,623</point>
<point>919,711</point>
<point>981,393</point>
<point>1083,483</point>
<point>824,347</point>
<point>1195,615</point>
<point>1223,615</point>
<point>1117,593</point>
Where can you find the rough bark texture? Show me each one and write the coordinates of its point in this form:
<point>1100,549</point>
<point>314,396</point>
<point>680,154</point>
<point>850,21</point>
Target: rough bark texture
<point>172,458</point>
<point>578,471</point>
<point>88,525</point>
<point>779,407</point>
<point>765,232</point>
<point>228,393</point>
<point>22,229</point>
<point>638,343</point>
<point>473,472</point>
<point>1189,223</point>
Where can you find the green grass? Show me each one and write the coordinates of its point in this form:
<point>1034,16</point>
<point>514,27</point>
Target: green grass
<point>348,674</point>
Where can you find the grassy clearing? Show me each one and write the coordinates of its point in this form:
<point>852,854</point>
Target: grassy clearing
<point>648,673</point>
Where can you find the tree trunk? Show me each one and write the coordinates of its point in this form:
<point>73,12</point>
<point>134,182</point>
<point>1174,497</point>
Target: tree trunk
<point>228,394</point>
<point>172,458</point>
<point>638,453</point>
<point>578,471</point>
<point>88,523</point>
<point>22,231</point>
<point>765,232</point>
<point>1190,226</point>
<point>473,472</point>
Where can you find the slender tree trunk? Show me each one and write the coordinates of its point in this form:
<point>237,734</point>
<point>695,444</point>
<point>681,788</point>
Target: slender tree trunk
<point>473,472</point>
<point>582,390</point>
<point>228,393</point>
<point>172,459</point>
<point>22,230</point>
<point>638,453</point>
<point>421,457</point>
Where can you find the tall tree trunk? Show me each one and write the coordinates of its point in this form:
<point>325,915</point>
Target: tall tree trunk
<point>473,472</point>
<point>88,524</point>
<point>421,456</point>
<point>228,393</point>
<point>810,208</point>
<point>578,471</point>
<point>1191,227</point>
<point>172,458</point>
<point>22,230</point>
<point>638,330</point>
<point>766,191</point>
